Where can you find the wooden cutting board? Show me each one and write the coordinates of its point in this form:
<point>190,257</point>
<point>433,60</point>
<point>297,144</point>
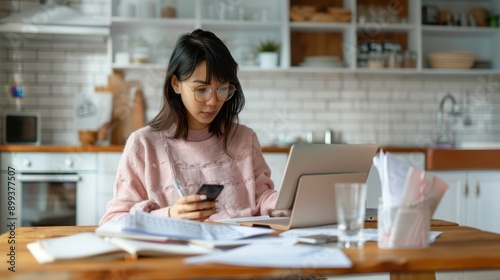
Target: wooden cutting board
<point>120,124</point>
<point>138,110</point>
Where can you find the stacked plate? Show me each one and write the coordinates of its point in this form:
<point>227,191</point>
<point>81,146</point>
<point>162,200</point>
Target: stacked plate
<point>321,61</point>
<point>452,60</point>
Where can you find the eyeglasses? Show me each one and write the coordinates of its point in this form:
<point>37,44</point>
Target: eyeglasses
<point>203,93</point>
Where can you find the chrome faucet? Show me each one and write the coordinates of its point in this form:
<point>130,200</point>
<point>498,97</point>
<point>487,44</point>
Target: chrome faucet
<point>443,133</point>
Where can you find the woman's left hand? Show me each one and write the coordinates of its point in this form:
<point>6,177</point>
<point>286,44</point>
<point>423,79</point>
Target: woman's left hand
<point>193,207</point>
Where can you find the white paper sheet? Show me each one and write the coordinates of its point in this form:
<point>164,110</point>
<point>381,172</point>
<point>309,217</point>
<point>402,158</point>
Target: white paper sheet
<point>369,234</point>
<point>225,244</point>
<point>296,232</point>
<point>235,221</point>
<point>393,173</point>
<point>142,222</point>
<point>266,255</point>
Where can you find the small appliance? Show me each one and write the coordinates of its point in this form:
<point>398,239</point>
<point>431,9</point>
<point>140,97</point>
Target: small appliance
<point>22,128</point>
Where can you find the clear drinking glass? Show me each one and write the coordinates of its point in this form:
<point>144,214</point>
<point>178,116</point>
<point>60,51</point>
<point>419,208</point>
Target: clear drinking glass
<point>350,201</point>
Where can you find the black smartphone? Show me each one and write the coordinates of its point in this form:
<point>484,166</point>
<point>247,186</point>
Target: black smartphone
<point>212,191</point>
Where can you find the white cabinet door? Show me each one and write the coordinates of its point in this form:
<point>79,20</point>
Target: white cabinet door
<point>472,199</point>
<point>107,166</point>
<point>277,163</point>
<point>484,200</point>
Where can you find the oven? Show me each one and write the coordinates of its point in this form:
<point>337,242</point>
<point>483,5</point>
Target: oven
<point>48,189</point>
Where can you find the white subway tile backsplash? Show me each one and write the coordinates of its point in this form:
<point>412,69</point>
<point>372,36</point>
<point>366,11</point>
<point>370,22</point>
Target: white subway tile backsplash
<point>36,42</point>
<point>36,66</point>
<point>9,5</point>
<point>50,78</point>
<point>314,105</point>
<point>311,83</point>
<point>39,90</point>
<point>340,105</point>
<point>55,101</point>
<point>66,66</point>
<point>259,105</point>
<point>27,78</point>
<point>50,55</point>
<point>288,83</point>
<point>327,94</point>
<point>330,116</point>
<point>354,95</point>
<point>53,125</point>
<point>16,54</point>
<point>64,89</point>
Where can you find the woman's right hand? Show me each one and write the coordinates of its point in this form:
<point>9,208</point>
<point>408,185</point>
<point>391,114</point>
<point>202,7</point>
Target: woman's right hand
<point>193,207</point>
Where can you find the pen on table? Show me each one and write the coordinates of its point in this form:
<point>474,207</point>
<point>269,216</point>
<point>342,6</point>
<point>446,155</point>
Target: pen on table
<point>178,188</point>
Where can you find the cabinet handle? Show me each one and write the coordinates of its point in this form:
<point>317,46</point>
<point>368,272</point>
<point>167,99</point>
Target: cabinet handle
<point>466,190</point>
<point>478,190</point>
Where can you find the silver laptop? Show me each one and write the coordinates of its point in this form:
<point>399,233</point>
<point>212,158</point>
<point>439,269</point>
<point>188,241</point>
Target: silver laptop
<point>307,186</point>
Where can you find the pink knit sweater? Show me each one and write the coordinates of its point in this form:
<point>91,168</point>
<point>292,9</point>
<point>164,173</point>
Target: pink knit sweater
<point>151,161</point>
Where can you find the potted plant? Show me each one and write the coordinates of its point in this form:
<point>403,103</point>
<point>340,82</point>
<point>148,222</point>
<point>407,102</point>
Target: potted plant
<point>268,54</point>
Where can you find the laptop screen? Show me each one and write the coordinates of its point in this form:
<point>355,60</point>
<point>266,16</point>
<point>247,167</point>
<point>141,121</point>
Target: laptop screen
<point>307,159</point>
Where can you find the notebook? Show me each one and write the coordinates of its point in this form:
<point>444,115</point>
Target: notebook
<point>307,186</point>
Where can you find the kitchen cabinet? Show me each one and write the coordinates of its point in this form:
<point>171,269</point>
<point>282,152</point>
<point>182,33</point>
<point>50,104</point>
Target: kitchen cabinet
<point>107,167</point>
<point>244,24</point>
<point>471,199</point>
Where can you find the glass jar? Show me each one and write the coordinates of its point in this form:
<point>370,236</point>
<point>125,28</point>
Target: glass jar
<point>168,9</point>
<point>394,60</point>
<point>409,59</point>
<point>376,60</point>
<point>140,51</point>
<point>127,8</point>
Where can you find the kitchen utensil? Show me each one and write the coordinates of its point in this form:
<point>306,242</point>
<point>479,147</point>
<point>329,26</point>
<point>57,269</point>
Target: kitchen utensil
<point>87,137</point>
<point>120,124</point>
<point>138,110</point>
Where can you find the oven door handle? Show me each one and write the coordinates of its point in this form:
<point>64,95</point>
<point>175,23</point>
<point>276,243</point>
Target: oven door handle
<point>48,178</point>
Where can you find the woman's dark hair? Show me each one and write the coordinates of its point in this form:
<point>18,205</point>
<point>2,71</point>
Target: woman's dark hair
<point>191,49</point>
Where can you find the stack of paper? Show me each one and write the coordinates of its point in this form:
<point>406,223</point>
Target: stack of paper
<point>90,246</point>
<point>146,223</point>
<point>144,234</point>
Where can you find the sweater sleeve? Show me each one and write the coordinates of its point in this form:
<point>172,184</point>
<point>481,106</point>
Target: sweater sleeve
<point>130,194</point>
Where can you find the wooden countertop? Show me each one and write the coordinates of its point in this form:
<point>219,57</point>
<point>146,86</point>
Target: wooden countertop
<point>442,159</point>
<point>458,248</point>
<point>60,148</point>
<point>119,148</point>
<point>436,159</point>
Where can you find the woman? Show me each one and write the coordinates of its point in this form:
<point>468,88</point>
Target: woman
<point>195,139</point>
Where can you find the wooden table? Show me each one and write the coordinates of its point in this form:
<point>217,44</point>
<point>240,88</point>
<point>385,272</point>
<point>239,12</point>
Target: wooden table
<point>458,248</point>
